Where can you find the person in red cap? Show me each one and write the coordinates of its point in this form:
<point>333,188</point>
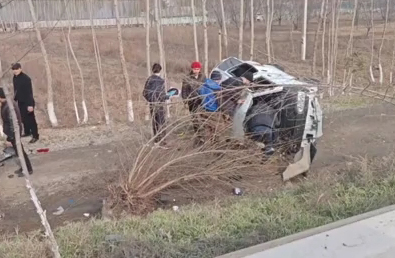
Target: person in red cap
<point>189,91</point>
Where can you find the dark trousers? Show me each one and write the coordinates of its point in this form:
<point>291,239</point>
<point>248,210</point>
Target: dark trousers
<point>158,116</point>
<point>193,107</point>
<point>263,134</point>
<point>27,160</point>
<point>29,121</point>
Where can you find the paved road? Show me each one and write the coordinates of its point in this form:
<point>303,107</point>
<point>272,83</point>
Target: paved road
<point>364,237</point>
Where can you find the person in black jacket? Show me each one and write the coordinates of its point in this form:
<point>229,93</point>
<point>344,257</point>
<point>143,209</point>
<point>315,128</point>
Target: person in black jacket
<point>9,130</point>
<point>23,93</point>
<point>155,93</point>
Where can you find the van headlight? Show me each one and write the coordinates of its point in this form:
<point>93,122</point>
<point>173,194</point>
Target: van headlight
<point>301,102</point>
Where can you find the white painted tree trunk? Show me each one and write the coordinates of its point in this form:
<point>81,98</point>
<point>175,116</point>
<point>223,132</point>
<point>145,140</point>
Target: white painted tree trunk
<point>99,68</point>
<point>50,105</point>
<point>252,30</point>
<point>124,66</point>
<point>29,185</point>
<point>204,2</point>
<point>195,40</point>
<point>77,116</point>
<point>84,108</point>
<point>241,29</point>
<point>381,80</point>
<point>372,45</point>
<point>147,49</point>
<point>224,29</point>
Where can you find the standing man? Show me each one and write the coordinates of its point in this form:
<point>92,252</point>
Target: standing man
<point>23,94</point>
<point>9,130</point>
<point>189,91</point>
<point>155,93</point>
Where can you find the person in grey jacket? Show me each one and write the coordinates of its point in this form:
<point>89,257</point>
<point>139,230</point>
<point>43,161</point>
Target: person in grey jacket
<point>155,93</point>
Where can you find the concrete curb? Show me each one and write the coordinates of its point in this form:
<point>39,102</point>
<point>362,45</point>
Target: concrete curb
<point>311,232</point>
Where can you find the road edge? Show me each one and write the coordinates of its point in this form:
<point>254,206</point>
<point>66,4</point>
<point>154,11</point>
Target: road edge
<point>310,232</point>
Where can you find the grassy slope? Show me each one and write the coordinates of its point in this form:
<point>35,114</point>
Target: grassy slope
<point>221,227</point>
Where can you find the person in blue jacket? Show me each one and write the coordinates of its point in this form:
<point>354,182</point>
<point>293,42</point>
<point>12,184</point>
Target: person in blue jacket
<point>208,92</point>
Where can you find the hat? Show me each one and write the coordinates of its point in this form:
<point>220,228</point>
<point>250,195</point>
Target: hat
<point>216,76</point>
<point>196,65</point>
<point>16,66</point>
<point>249,76</point>
<point>2,94</point>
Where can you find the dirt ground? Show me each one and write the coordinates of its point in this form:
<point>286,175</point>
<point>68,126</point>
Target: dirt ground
<point>77,178</point>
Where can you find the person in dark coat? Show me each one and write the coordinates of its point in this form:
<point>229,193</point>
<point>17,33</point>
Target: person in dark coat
<point>9,130</point>
<point>260,124</point>
<point>155,93</point>
<point>189,92</point>
<point>23,95</point>
<point>231,94</point>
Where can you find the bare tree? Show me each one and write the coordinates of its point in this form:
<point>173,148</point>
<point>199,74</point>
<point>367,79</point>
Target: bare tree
<point>392,65</point>
<point>147,36</point>
<point>336,40</point>
<point>204,2</point>
<point>147,48</point>
<point>304,36</point>
<point>241,29</point>
<point>323,37</point>
<point>268,30</point>
<point>382,42</point>
<point>316,38</point>
<point>219,45</point>
<point>372,45</point>
<point>252,29</point>
<point>195,40</point>
<point>159,34</point>
<point>50,104</point>
<point>99,67</point>
<point>350,48</point>
<point>29,185</point>
<point>124,66</point>
<point>77,116</point>
<point>224,30</point>
<point>83,102</point>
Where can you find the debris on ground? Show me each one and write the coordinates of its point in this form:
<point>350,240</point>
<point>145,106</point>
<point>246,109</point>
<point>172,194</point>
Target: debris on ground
<point>237,191</point>
<point>86,215</point>
<point>114,238</point>
<point>59,211</point>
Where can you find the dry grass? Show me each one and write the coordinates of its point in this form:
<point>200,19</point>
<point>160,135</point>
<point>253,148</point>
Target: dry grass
<point>227,225</point>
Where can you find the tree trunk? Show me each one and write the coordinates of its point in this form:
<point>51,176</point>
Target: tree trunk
<point>382,43</point>
<point>147,48</point>
<point>99,67</point>
<point>1,76</point>
<point>84,108</point>
<point>241,29</point>
<point>372,46</point>
<point>323,38</point>
<point>336,41</point>
<point>392,65</point>
<point>316,38</point>
<point>224,30</point>
<point>77,116</point>
<point>268,31</point>
<point>219,45</point>
<point>304,36</point>
<point>195,40</point>
<point>350,47</point>
<point>50,104</point>
<point>252,30</point>
<point>204,2</point>
<point>124,66</point>
<point>29,185</point>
